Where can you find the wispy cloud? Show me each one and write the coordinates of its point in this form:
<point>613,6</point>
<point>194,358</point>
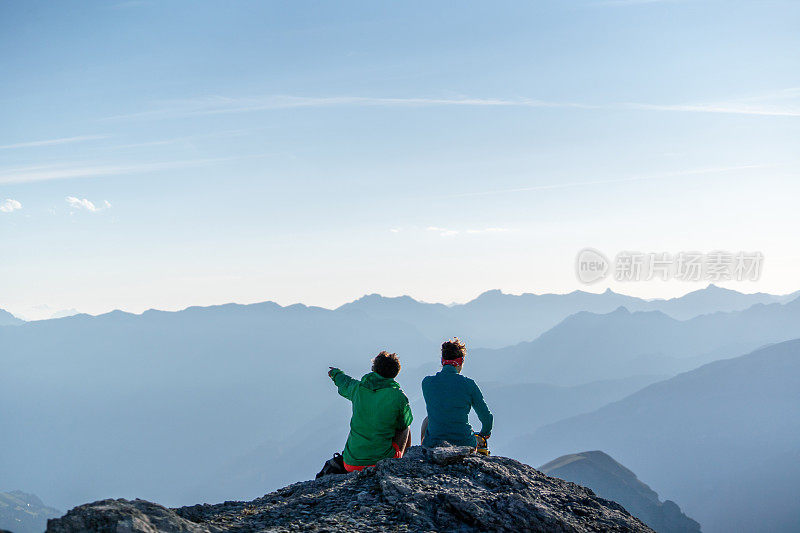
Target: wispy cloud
<point>487,231</point>
<point>9,205</point>
<point>446,232</point>
<point>568,184</point>
<point>86,205</point>
<point>53,142</point>
<point>213,105</point>
<point>630,2</point>
<point>443,232</point>
<point>771,104</point>
<point>130,4</point>
<point>734,107</point>
<point>67,171</point>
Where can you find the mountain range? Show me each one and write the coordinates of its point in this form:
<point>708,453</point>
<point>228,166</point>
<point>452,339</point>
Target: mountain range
<point>495,319</point>
<point>230,401</point>
<point>588,347</point>
<point>723,439</point>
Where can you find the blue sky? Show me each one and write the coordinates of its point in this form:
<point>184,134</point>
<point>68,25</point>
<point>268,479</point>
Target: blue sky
<point>166,154</point>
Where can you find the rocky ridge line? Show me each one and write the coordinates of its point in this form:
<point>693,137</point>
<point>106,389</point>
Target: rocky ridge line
<point>446,489</point>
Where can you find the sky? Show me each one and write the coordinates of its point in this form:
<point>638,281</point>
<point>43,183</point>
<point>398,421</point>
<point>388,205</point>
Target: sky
<point>168,154</point>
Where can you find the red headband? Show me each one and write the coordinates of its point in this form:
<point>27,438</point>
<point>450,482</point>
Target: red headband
<point>455,362</point>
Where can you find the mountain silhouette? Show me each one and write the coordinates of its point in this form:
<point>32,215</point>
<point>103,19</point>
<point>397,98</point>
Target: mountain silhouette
<point>724,439</point>
<point>7,319</point>
<point>609,479</point>
<point>174,406</point>
<point>495,319</point>
<point>588,347</point>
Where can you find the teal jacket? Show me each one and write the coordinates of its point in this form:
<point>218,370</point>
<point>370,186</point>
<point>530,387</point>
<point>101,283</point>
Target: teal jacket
<point>449,396</point>
<point>380,408</point>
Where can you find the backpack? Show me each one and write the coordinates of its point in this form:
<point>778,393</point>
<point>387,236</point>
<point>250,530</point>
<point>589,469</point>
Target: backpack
<point>335,465</point>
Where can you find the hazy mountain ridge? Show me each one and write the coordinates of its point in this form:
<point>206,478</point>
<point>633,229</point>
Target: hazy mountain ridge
<point>495,319</point>
<point>723,439</point>
<point>609,479</point>
<point>169,391</point>
<point>157,405</point>
<point>587,347</point>
<point>7,319</point>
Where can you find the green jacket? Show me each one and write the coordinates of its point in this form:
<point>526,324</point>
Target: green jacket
<point>380,408</point>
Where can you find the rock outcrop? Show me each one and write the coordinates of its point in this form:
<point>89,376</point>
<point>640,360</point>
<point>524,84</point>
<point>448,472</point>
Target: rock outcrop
<point>447,489</point>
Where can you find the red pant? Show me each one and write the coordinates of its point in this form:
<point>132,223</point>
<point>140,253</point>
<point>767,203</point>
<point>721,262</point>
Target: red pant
<point>353,468</point>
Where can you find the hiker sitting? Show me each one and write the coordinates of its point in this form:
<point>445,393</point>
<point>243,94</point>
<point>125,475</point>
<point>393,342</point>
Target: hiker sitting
<point>379,427</point>
<point>449,396</point>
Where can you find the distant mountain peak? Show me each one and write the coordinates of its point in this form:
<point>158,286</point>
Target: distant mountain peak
<point>492,293</point>
<point>712,287</point>
<point>378,298</point>
<point>7,319</point>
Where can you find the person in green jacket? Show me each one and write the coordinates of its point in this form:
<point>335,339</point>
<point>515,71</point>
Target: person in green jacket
<point>379,427</point>
<point>449,396</point>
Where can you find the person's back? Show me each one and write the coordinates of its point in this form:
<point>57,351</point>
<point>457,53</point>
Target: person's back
<point>449,396</point>
<point>381,414</point>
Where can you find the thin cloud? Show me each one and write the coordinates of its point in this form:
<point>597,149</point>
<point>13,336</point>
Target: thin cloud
<point>485,231</point>
<point>9,205</point>
<point>730,108</point>
<point>769,104</point>
<point>443,232</point>
<point>67,171</point>
<point>214,105</point>
<point>53,142</point>
<point>86,205</point>
<point>665,175</point>
<point>446,232</point>
<point>630,2</point>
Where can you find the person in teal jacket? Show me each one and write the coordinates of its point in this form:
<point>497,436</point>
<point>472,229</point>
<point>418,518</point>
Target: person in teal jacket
<point>449,396</point>
<point>379,427</point>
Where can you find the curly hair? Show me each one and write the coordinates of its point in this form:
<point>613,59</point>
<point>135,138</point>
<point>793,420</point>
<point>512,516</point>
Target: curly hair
<point>386,364</point>
<point>453,349</point>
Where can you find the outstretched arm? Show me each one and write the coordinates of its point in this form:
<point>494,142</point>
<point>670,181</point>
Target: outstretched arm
<point>347,386</point>
<point>482,410</point>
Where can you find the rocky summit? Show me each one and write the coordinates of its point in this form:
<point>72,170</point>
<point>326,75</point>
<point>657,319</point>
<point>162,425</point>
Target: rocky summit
<point>445,489</point>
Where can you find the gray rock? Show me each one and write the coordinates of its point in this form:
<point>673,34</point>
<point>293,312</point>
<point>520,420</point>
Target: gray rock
<point>123,516</point>
<point>427,490</point>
